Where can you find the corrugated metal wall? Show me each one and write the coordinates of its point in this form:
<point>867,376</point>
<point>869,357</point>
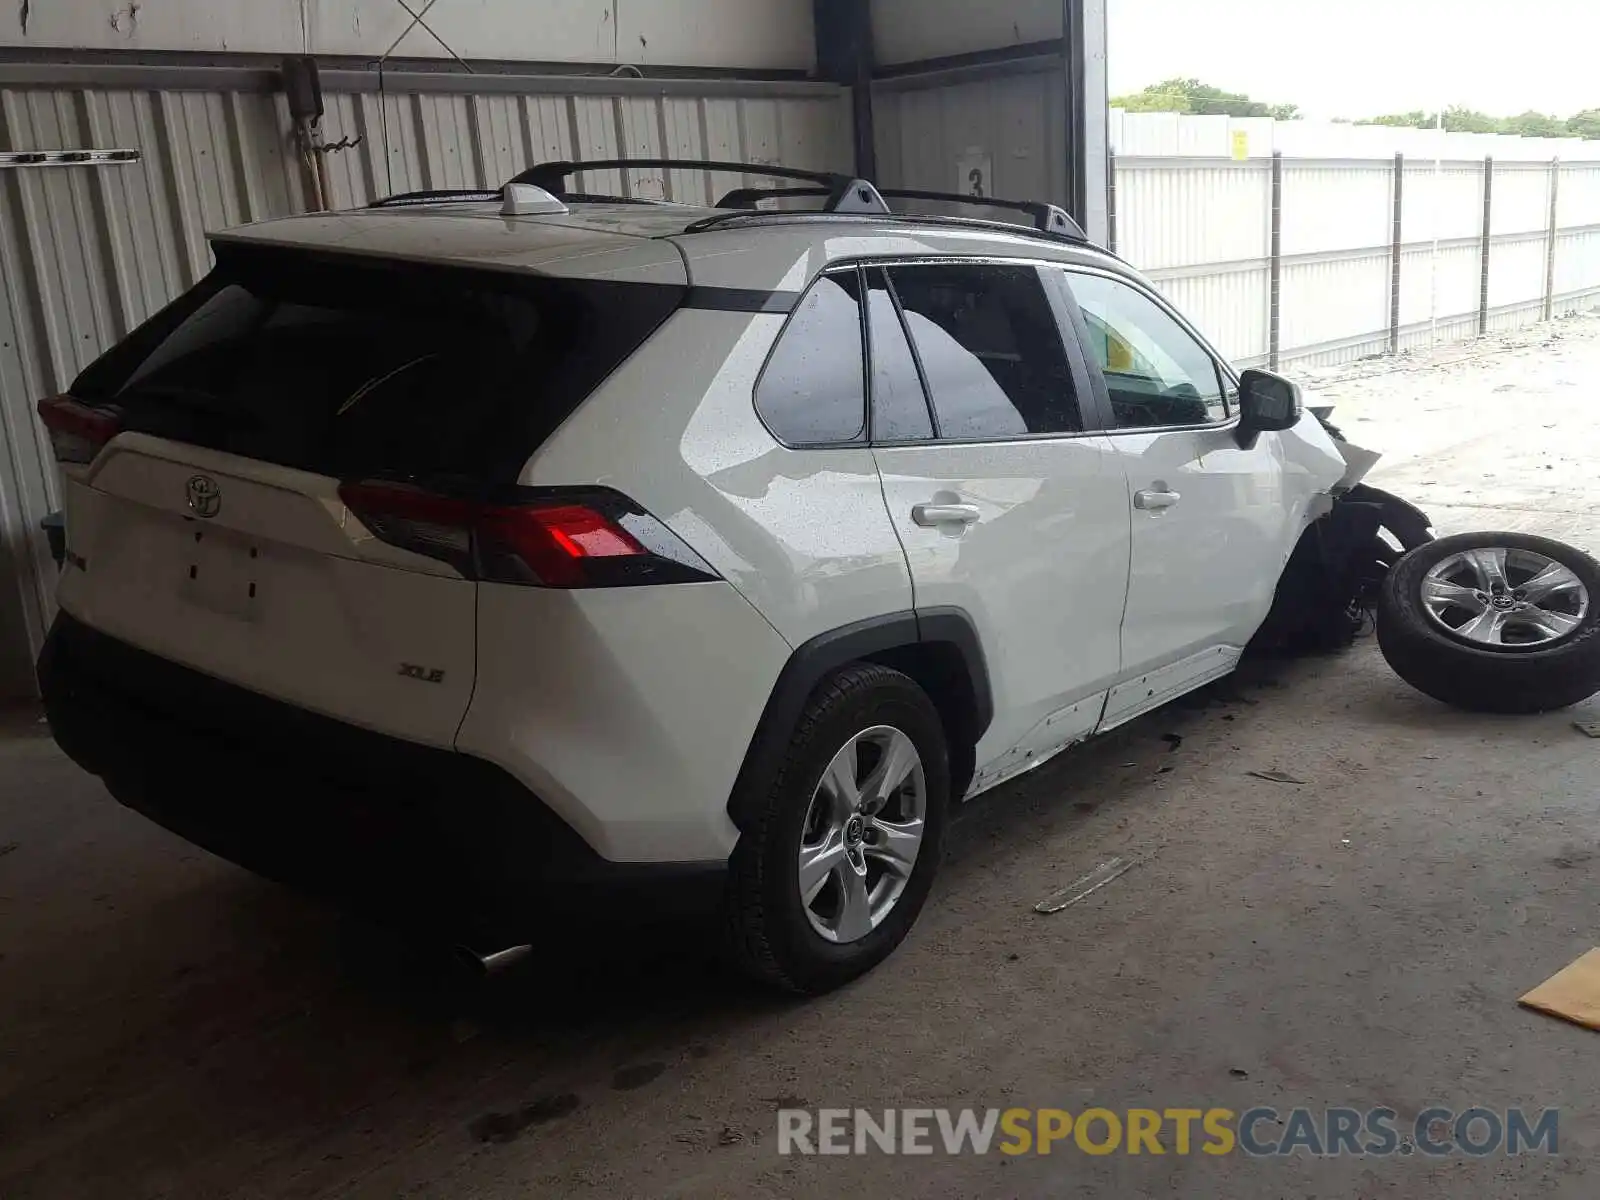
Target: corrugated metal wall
<point>86,254</point>
<point>1017,121</point>
<point>1200,227</point>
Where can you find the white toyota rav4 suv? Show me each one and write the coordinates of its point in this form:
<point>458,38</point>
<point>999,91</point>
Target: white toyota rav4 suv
<point>474,554</point>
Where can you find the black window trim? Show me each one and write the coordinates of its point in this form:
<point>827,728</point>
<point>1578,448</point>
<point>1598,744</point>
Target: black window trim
<point>916,360</point>
<point>1092,396</point>
<point>1090,411</point>
<point>1224,369</point>
<point>865,440</point>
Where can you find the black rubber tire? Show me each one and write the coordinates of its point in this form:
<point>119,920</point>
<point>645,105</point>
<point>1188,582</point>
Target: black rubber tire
<point>1478,678</point>
<point>768,934</point>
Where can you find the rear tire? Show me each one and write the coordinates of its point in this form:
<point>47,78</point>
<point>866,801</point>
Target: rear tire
<point>1434,651</point>
<point>775,933</point>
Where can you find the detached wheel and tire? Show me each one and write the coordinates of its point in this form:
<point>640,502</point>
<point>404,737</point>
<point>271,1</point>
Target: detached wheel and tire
<point>838,859</point>
<point>1494,622</point>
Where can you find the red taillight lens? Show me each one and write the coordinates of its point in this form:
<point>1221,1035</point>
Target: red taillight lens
<point>557,537</point>
<point>552,542</point>
<point>77,431</point>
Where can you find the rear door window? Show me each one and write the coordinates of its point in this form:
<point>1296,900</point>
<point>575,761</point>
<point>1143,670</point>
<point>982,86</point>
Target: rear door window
<point>899,405</point>
<point>990,349</point>
<point>350,368</point>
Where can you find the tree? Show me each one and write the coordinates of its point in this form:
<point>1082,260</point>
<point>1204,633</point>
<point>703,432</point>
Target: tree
<point>1585,124</point>
<point>1416,119</point>
<point>1529,124</point>
<point>1535,124</point>
<point>1192,96</point>
<point>1456,120</point>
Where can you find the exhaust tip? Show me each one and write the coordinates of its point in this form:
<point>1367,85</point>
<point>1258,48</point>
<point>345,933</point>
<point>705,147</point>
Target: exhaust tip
<point>496,962</point>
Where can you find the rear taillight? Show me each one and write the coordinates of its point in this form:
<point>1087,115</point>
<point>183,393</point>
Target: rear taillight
<point>77,431</point>
<point>541,537</point>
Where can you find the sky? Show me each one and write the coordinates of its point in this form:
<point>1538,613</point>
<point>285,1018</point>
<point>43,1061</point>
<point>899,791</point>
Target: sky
<point>1356,58</point>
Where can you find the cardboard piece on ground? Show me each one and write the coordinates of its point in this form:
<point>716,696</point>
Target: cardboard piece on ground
<point>1572,993</point>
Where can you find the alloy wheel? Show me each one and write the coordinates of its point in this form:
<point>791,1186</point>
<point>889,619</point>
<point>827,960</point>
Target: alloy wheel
<point>862,833</point>
<point>1505,598</point>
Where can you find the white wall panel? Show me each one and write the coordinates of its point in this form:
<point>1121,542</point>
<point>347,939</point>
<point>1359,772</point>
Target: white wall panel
<point>750,34</point>
<point>913,30</point>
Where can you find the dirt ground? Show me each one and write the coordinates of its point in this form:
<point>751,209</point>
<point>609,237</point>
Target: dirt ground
<point>170,1026</point>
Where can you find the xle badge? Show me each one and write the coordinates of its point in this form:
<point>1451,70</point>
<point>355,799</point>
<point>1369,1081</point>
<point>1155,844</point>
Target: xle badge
<point>426,674</point>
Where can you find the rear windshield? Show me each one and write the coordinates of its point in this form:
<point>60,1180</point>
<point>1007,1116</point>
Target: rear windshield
<point>348,367</point>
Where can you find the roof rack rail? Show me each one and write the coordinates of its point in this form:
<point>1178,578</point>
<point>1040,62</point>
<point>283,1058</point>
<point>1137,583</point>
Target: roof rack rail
<point>749,197</point>
<point>1047,218</point>
<point>843,193</point>
<point>437,196</point>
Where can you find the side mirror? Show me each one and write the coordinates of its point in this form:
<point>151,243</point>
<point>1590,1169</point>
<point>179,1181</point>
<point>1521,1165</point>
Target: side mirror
<point>1267,403</point>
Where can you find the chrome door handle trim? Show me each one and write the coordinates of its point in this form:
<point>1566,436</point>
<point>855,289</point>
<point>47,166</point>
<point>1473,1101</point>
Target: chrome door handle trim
<point>929,515</point>
<point>1150,501</point>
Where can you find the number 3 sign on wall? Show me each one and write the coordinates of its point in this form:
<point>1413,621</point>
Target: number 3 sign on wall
<point>975,174</point>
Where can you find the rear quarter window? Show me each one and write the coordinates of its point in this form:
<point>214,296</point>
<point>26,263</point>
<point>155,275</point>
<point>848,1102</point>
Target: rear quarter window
<point>813,391</point>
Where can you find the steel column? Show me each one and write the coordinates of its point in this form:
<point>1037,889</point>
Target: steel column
<point>1396,247</point>
<point>1275,265</point>
<point>1487,246</point>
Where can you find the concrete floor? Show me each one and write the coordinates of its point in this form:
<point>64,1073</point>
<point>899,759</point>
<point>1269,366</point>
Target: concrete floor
<point>171,1026</point>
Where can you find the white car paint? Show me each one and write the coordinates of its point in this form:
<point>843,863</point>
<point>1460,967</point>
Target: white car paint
<point>802,534</point>
<point>1043,567</point>
<point>629,710</point>
<point>278,590</point>
<point>625,709</point>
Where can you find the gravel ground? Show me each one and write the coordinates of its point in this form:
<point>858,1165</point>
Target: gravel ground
<point>170,1026</point>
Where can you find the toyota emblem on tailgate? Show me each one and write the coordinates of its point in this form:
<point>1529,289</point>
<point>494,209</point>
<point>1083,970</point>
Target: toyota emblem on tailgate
<point>205,497</point>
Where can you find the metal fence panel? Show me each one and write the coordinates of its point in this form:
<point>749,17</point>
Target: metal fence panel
<point>1335,206</point>
<point>1229,306</point>
<point>1173,213</point>
<point>1325,300</point>
<point>90,252</point>
<point>1446,283</point>
<point>1200,227</point>
<point>1578,202</point>
<point>1446,204</point>
<point>1521,198</point>
<point>1517,271</point>
<point>1578,263</point>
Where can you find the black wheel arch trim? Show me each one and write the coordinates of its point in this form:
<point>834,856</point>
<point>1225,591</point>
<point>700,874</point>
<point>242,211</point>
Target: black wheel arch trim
<point>1365,493</point>
<point>813,660</point>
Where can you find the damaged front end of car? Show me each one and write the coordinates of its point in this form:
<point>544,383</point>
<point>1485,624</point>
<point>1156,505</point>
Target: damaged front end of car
<point>1330,583</point>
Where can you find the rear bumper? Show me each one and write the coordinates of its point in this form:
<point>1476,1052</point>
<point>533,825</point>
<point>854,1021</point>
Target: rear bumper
<point>407,833</point>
